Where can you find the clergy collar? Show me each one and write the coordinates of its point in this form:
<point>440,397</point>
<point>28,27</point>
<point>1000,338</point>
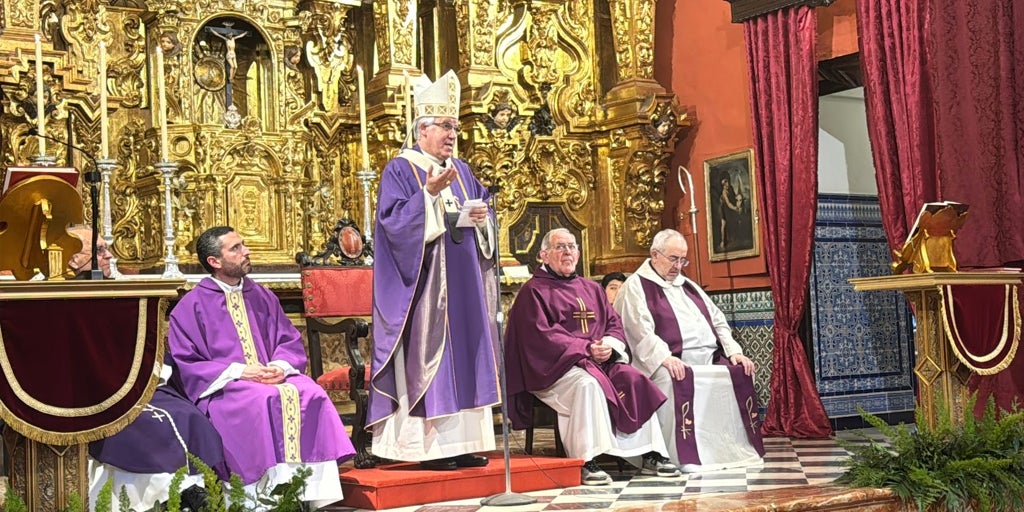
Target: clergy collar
<point>647,271</point>
<point>550,272</point>
<point>435,160</point>
<point>227,288</point>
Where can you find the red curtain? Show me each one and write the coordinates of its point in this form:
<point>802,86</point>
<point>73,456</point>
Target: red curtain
<point>784,97</point>
<point>977,61</point>
<point>977,64</point>
<point>897,95</point>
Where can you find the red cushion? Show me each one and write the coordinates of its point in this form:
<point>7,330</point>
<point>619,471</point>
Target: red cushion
<point>337,379</point>
<point>337,291</point>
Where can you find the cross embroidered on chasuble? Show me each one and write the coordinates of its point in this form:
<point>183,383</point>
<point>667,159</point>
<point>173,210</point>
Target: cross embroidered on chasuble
<point>583,315</point>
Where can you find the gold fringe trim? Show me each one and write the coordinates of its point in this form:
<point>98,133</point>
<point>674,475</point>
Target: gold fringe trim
<point>1011,309</point>
<point>103,431</point>
<point>77,412</point>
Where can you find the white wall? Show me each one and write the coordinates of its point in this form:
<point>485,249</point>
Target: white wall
<point>844,152</point>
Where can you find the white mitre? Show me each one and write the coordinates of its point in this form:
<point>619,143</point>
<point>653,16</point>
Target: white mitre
<point>439,99</point>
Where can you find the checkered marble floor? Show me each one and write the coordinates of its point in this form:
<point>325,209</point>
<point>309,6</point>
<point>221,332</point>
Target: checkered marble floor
<point>787,462</point>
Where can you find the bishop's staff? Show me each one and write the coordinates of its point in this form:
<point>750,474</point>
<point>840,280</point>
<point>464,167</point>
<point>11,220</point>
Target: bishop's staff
<point>693,211</point>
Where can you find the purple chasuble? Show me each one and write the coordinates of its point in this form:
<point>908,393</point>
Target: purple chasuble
<point>203,341</point>
<point>156,442</point>
<point>550,326</point>
<point>436,300</point>
<point>666,326</point>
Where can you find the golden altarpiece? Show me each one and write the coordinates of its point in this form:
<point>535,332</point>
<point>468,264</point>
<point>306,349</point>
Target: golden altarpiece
<point>559,105</point>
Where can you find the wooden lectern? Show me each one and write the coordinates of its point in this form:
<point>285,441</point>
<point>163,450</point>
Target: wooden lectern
<point>941,375</point>
<point>79,359</point>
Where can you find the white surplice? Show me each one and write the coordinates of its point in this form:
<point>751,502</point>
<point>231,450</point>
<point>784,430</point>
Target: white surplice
<point>584,422</point>
<point>721,439</point>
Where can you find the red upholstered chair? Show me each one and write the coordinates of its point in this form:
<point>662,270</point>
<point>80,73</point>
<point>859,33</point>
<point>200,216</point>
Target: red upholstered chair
<point>338,300</point>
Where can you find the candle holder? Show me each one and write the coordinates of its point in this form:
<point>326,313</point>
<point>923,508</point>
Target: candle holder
<point>44,161</point>
<point>167,170</point>
<point>106,167</point>
<point>366,176</point>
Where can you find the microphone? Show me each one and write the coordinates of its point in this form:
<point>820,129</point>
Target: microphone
<point>93,179</point>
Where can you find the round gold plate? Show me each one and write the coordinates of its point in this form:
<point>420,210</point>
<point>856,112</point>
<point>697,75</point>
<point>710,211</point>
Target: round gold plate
<point>209,73</point>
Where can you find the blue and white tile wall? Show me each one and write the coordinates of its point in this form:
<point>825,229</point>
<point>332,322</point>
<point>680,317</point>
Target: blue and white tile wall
<point>751,315</point>
<point>863,341</point>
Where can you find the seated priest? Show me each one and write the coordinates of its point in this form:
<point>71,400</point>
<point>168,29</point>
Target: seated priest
<point>142,457</point>
<point>682,341</point>
<point>564,345</point>
<point>241,362</point>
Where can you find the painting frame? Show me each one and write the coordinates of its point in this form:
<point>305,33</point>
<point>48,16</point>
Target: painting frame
<point>730,197</point>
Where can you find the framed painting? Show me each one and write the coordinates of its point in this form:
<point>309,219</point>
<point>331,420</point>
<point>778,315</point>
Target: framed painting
<point>732,214</point>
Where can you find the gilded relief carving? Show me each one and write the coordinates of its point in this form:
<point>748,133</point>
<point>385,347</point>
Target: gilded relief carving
<point>537,118</point>
<point>541,48</point>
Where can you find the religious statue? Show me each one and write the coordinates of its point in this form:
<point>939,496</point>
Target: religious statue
<point>169,44</point>
<point>502,117</point>
<point>229,36</point>
<point>330,65</point>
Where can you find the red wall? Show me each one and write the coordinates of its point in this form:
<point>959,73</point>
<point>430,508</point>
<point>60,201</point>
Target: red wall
<point>701,57</point>
<point>709,76</point>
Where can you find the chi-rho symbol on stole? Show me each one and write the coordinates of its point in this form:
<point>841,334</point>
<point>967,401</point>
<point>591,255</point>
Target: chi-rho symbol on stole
<point>583,315</point>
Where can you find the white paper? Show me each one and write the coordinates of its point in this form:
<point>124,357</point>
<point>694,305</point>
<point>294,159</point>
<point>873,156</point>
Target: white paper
<point>464,219</point>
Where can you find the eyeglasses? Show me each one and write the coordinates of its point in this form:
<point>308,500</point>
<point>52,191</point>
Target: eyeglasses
<point>447,126</point>
<point>680,261</point>
<point>565,247</point>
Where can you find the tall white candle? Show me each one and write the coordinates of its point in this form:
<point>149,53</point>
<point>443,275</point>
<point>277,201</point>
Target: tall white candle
<point>163,104</point>
<point>408,107</point>
<point>40,98</point>
<point>364,151</point>
<point>102,83</point>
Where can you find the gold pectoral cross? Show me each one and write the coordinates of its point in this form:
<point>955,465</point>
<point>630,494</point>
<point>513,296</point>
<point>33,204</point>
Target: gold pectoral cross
<point>583,315</point>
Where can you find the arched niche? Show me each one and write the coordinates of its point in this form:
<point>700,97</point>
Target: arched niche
<point>234,66</point>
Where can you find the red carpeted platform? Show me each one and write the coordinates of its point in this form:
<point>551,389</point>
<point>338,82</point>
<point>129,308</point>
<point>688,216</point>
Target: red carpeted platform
<point>403,484</point>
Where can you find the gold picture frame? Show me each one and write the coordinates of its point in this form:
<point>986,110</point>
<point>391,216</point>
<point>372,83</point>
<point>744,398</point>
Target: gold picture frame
<point>731,205</point>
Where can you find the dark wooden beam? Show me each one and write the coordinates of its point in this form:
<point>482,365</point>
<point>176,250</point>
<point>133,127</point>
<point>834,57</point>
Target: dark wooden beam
<point>743,10</point>
<point>839,74</point>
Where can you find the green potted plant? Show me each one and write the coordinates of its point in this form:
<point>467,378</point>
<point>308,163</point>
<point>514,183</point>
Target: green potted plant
<point>975,467</point>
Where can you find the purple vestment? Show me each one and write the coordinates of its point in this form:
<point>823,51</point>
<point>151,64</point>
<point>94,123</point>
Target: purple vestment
<point>666,326</point>
<point>550,326</point>
<point>157,440</point>
<point>204,342</point>
<point>434,299</point>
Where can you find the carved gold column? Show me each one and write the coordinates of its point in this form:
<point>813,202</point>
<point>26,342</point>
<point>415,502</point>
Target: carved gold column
<point>643,120</point>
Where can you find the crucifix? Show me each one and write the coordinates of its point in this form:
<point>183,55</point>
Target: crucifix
<point>583,315</point>
<point>229,35</point>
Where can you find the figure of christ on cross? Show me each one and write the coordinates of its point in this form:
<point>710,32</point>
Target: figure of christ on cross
<point>229,36</point>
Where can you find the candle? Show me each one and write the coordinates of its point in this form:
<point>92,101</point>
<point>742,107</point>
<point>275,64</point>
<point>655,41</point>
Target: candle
<point>162,95</point>
<point>362,117</point>
<point>40,99</point>
<point>102,82</point>
<point>408,107</point>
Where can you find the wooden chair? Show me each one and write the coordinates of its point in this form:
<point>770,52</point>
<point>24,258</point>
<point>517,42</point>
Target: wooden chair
<point>337,300</point>
<point>543,417</point>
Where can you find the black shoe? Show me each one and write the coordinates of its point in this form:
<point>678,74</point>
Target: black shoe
<point>447,464</point>
<point>470,460</point>
<point>193,499</point>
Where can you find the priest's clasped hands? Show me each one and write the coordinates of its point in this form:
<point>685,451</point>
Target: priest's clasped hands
<point>263,374</point>
<point>599,352</point>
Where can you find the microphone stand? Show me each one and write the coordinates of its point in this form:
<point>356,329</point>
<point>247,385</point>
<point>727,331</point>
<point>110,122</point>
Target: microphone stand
<point>93,179</point>
<point>507,498</point>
